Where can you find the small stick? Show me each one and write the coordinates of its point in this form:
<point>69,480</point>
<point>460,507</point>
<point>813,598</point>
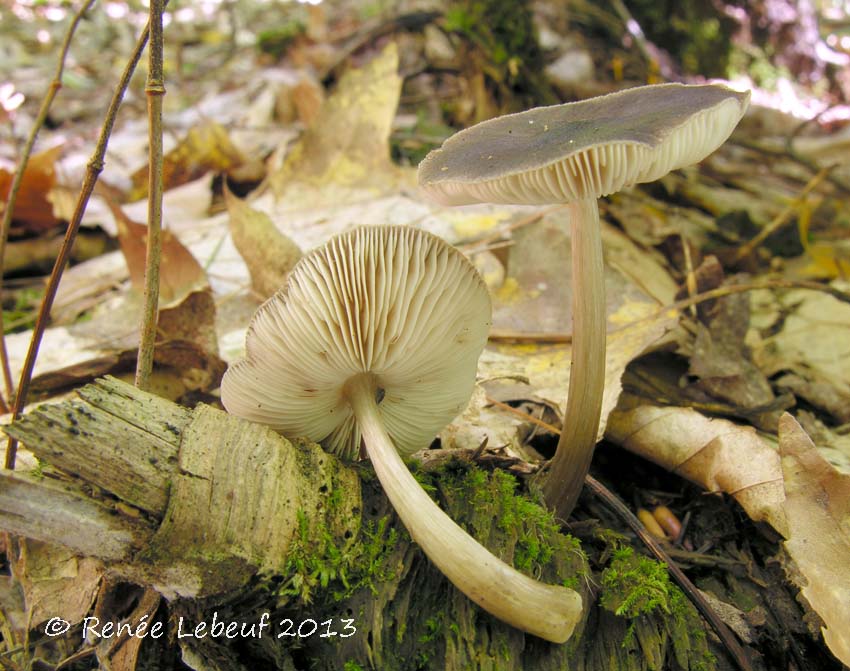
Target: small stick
<point>47,101</point>
<point>93,170</point>
<point>155,90</point>
<point>779,220</point>
<point>691,278</point>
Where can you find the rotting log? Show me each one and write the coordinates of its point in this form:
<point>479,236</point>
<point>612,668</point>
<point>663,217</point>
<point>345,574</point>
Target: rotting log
<point>224,516</point>
<point>217,489</point>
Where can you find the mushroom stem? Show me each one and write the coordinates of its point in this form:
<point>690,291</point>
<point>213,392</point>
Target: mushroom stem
<point>548,611</point>
<point>565,474</point>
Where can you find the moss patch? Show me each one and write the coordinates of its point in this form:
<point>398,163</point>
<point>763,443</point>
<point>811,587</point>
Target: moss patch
<point>336,567</point>
<point>657,620</point>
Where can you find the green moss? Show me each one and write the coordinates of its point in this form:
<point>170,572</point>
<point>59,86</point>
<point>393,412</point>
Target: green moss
<point>336,566</point>
<point>633,585</point>
<point>429,622</point>
<point>660,616</point>
<point>275,41</point>
<point>37,471</point>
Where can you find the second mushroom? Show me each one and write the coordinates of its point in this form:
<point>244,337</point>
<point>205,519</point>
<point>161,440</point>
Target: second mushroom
<point>377,335</point>
<point>573,154</point>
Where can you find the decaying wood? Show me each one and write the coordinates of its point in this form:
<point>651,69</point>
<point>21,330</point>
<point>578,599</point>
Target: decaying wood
<point>239,521</point>
<point>226,491</point>
<point>114,437</point>
<point>56,513</point>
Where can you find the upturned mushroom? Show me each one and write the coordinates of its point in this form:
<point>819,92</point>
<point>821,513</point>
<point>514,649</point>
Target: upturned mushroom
<point>573,154</point>
<point>377,335</point>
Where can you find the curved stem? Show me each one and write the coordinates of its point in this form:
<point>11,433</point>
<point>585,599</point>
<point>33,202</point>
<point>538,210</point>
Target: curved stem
<point>548,611</point>
<point>565,474</point>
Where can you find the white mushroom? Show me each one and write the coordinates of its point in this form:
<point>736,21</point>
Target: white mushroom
<point>377,335</point>
<point>574,154</point>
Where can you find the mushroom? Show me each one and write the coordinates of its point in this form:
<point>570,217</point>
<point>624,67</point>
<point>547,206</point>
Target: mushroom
<point>573,154</point>
<point>377,335</point>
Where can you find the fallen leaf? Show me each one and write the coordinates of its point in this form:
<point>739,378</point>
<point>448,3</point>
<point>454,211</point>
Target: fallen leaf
<point>722,367</point>
<point>347,146</point>
<point>205,148</point>
<point>716,454</point>
<point>805,336</point>
<point>267,252</point>
<point>33,209</point>
<point>817,508</point>
<point>180,274</point>
<point>121,653</point>
<point>55,582</point>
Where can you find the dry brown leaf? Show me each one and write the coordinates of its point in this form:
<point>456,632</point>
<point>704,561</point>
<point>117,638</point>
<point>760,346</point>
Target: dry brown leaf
<point>817,509</point>
<point>33,209</point>
<point>806,339</point>
<point>121,653</point>
<point>180,274</point>
<point>54,581</point>
<point>205,148</point>
<point>348,143</point>
<point>716,454</point>
<point>267,252</point>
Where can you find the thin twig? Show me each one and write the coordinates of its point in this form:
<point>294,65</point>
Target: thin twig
<point>690,276</point>
<point>779,220</point>
<point>678,306</point>
<point>622,510</point>
<point>155,90</point>
<point>93,170</point>
<point>47,101</point>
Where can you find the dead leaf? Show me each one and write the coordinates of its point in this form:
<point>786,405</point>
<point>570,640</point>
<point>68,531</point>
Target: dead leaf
<point>121,653</point>
<point>33,209</point>
<point>267,252</point>
<point>180,274</point>
<point>55,582</point>
<point>716,454</point>
<point>348,143</point>
<point>205,148</point>
<point>301,101</point>
<point>817,508</point>
<point>805,335</point>
<point>722,366</point>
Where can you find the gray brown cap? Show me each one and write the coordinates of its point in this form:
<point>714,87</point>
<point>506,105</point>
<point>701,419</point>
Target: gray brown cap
<point>394,301</point>
<point>584,149</point>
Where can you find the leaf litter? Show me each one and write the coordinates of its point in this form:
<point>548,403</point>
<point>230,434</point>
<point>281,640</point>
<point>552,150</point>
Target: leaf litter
<point>741,359</point>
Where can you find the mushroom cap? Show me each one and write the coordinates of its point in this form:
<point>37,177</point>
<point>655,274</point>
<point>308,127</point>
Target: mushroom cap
<point>585,149</point>
<point>392,301</point>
